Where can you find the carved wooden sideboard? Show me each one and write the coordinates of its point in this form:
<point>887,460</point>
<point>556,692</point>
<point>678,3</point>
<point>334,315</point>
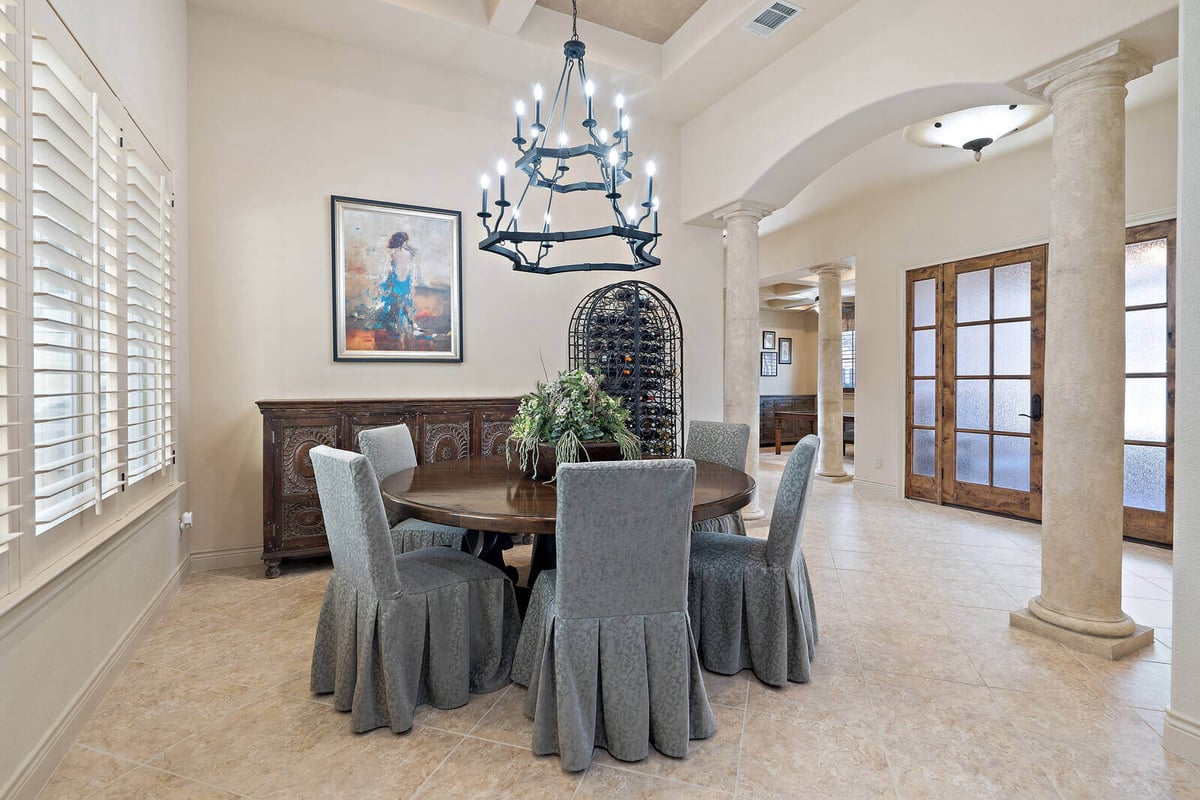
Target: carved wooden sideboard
<point>442,429</point>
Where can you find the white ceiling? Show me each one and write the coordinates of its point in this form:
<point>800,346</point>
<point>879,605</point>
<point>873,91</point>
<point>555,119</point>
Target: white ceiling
<point>892,161</point>
<point>520,42</point>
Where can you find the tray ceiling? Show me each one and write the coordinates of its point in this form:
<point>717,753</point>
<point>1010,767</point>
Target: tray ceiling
<point>652,21</point>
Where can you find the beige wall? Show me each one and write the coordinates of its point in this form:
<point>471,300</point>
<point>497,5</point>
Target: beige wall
<point>61,646</point>
<point>997,204</point>
<point>799,377</point>
<point>280,121</point>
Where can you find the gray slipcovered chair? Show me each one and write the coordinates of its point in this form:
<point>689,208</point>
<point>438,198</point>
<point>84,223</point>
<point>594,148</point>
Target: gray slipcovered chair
<point>427,627</point>
<point>390,450</point>
<point>614,662</point>
<point>750,600</point>
<point>721,443</point>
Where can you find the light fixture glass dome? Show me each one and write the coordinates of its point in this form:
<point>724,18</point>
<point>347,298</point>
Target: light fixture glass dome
<point>975,128</point>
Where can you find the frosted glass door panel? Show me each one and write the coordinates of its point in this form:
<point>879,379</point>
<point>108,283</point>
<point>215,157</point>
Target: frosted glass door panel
<point>1146,273</point>
<point>923,453</point>
<point>1146,340</point>
<point>1011,399</point>
<point>974,296</point>
<point>1012,291</point>
<point>1012,349</point>
<point>924,303</point>
<point>924,353</point>
<point>971,402</point>
<point>923,403</point>
<point>973,346</point>
<point>972,457</point>
<point>1010,462</point>
<point>1146,477</point>
<point>1146,409</point>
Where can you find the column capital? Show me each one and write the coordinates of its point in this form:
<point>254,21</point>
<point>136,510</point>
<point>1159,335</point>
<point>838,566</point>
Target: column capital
<point>743,209</point>
<point>834,268</point>
<point>1112,64</point>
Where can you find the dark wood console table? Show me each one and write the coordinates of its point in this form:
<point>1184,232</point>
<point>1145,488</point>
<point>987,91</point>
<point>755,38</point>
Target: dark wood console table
<point>442,430</point>
<point>810,420</point>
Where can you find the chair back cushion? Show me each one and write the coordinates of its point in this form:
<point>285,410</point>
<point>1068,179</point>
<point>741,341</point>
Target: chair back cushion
<point>719,442</point>
<point>355,521</point>
<point>622,537</point>
<point>787,519</point>
<point>389,449</point>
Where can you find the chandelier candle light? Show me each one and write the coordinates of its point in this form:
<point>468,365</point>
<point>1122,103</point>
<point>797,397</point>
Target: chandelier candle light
<point>546,168</point>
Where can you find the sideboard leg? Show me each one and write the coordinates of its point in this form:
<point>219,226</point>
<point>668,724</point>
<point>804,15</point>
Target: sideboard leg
<point>273,567</point>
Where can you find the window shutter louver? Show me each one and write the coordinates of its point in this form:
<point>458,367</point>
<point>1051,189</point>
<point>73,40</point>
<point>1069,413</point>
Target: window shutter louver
<point>67,307</point>
<point>150,334</point>
<point>12,162</point>
<point>87,314</point>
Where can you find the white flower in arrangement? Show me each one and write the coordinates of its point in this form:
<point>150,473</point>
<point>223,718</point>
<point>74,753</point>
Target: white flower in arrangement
<point>563,409</point>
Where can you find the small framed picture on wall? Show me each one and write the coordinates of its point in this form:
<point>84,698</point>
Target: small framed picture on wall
<point>770,365</point>
<point>768,340</point>
<point>785,350</point>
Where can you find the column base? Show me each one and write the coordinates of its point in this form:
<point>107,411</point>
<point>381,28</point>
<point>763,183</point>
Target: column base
<point>1112,648</point>
<point>835,477</point>
<point>753,512</point>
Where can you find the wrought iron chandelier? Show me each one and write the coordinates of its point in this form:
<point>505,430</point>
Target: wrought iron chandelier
<point>547,166</point>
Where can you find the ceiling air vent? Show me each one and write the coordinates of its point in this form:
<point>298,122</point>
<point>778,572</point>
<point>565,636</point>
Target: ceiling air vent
<point>771,19</point>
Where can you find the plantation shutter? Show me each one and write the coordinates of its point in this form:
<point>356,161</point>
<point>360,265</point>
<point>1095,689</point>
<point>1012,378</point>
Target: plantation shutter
<point>68,311</point>
<point>12,162</point>
<point>150,315</point>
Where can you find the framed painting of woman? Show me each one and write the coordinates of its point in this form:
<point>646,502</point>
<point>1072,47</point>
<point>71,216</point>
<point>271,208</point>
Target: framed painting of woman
<point>397,282</point>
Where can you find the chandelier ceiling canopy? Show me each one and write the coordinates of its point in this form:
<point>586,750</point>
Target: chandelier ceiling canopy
<point>975,128</point>
<point>546,160</point>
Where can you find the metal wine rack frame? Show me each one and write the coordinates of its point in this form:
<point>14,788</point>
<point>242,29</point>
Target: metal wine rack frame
<point>628,335</point>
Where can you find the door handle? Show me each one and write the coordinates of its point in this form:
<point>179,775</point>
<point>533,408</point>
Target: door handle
<point>1035,408</point>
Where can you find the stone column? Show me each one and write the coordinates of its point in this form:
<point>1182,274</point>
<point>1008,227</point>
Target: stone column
<point>742,340</point>
<point>1084,424</point>
<point>829,371</point>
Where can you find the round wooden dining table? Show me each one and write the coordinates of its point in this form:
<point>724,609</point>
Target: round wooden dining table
<point>489,496</point>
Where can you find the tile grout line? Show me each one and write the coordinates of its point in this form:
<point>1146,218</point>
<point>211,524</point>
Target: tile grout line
<point>737,778</point>
<point>441,764</point>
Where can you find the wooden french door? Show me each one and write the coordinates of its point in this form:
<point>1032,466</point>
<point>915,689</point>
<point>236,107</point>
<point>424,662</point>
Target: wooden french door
<point>967,433</point>
<point>1150,381</point>
<point>976,349</point>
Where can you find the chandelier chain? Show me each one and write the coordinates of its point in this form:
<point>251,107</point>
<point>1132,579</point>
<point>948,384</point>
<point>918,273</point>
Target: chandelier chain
<point>574,19</point>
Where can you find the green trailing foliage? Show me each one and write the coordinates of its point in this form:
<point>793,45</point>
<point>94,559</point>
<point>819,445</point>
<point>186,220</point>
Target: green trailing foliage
<point>569,411</point>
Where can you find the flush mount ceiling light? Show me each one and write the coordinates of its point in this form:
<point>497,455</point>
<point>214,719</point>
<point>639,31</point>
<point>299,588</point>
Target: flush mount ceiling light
<point>975,128</point>
<point>546,158</point>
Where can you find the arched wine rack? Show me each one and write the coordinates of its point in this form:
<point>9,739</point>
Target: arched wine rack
<point>628,335</point>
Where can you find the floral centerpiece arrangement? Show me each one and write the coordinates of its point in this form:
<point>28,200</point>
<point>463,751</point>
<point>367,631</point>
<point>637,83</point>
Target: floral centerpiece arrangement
<point>569,419</point>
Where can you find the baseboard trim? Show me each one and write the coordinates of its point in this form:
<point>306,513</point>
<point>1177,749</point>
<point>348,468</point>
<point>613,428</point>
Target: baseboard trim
<point>876,487</point>
<point>41,763</point>
<point>226,557</point>
<point>1181,735</point>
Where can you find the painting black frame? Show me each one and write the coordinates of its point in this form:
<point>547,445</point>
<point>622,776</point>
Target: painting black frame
<point>768,340</point>
<point>782,359</point>
<point>339,353</point>
<point>769,364</point>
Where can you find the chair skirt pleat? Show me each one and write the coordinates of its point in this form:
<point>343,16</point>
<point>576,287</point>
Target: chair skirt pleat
<point>381,658</point>
<point>729,523</point>
<point>621,683</point>
<point>749,615</point>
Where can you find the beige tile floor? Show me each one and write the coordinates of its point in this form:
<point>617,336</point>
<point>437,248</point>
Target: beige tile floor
<point>920,690</point>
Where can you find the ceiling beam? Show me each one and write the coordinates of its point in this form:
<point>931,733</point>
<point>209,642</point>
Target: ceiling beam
<point>508,16</point>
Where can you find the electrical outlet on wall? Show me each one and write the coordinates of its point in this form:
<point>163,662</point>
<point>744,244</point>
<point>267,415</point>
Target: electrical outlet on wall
<point>878,463</point>
<point>185,522</point>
